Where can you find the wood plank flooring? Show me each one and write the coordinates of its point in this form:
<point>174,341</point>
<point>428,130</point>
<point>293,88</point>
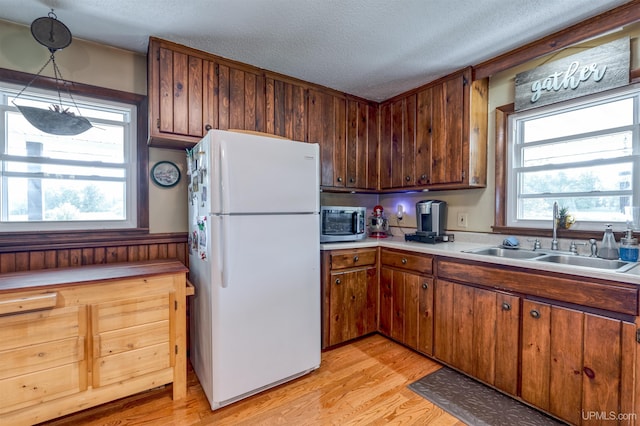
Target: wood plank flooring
<point>364,382</point>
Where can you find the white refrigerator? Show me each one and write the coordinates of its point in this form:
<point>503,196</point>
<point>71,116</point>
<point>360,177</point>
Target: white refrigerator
<point>254,260</point>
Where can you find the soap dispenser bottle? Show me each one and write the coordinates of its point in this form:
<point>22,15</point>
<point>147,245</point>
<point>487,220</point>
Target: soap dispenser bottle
<point>629,247</point>
<point>609,248</point>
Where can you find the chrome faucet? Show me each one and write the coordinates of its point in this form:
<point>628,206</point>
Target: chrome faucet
<point>556,216</point>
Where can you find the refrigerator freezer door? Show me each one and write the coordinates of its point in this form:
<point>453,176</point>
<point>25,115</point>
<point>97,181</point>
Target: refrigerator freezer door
<point>257,174</point>
<point>266,317</point>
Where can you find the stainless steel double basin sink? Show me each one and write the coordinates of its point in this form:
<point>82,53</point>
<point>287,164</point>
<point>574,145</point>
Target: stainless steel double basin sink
<point>562,258</point>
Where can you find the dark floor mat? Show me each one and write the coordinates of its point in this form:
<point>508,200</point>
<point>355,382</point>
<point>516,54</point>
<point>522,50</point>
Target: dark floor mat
<point>476,404</point>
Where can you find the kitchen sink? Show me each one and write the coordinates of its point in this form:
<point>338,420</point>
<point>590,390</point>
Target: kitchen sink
<point>509,253</point>
<point>562,258</point>
<point>589,262</point>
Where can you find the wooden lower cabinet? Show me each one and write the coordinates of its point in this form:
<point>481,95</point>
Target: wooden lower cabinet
<point>476,331</point>
<point>406,299</point>
<point>350,295</point>
<point>80,342</point>
<point>572,362</point>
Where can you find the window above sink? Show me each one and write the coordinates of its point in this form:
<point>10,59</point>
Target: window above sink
<point>583,154</point>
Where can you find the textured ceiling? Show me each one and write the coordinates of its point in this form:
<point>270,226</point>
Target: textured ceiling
<point>370,48</point>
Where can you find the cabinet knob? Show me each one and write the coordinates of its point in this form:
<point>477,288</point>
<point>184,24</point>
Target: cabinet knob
<point>339,179</point>
<point>338,281</point>
<point>535,313</point>
<point>423,177</point>
<point>352,180</point>
<point>425,286</point>
<point>208,127</point>
<point>506,306</point>
<point>356,258</point>
<point>407,178</point>
<point>404,261</point>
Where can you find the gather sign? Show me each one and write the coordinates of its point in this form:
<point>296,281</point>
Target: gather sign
<point>594,70</point>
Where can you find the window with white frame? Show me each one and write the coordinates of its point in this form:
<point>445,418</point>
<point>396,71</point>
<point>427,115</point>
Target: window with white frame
<point>81,182</point>
<point>583,154</point>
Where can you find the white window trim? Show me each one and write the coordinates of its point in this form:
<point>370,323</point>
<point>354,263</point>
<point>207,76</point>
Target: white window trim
<point>130,167</point>
<point>511,179</point>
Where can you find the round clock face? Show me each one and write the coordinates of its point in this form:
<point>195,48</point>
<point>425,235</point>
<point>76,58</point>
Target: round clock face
<point>51,33</point>
<point>165,174</point>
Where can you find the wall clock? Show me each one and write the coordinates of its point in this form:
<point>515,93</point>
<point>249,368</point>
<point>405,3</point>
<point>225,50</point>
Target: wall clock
<point>165,174</point>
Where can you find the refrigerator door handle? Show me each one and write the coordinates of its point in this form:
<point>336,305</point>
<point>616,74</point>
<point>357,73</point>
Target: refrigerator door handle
<point>223,180</point>
<point>224,253</point>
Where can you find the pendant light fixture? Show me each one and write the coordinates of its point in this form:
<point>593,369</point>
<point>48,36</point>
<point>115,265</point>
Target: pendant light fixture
<point>56,120</point>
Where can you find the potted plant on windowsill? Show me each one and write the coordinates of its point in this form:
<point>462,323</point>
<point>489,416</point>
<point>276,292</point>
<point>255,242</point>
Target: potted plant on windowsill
<point>565,219</point>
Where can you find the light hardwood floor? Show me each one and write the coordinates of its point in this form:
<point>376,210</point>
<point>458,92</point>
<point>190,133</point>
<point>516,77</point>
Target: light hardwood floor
<point>362,383</point>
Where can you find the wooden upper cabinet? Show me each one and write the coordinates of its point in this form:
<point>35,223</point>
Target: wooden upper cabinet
<point>180,88</point>
<point>328,127</point>
<point>286,109</point>
<point>361,145</point>
<point>241,98</point>
<point>435,137</point>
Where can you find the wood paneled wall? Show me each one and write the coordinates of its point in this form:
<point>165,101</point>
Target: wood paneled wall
<point>160,246</point>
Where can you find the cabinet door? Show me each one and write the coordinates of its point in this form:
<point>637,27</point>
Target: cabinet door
<point>131,337</point>
<point>286,109</point>
<point>353,304</point>
<point>418,328</point>
<point>327,127</point>
<point>361,145</point>
<point>476,330</point>
<point>397,139</point>
<point>447,130</point>
<point>42,356</point>
<point>424,131</point>
<point>241,99</point>
<point>571,362</point>
<point>180,96</point>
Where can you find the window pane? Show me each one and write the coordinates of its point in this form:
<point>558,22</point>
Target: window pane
<point>610,177</point>
<point>102,143</point>
<point>64,200</point>
<point>590,119</point>
<point>587,208</point>
<point>606,146</point>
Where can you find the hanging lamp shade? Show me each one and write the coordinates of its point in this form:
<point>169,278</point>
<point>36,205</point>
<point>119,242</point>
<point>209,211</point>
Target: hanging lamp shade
<point>56,120</point>
<point>61,123</point>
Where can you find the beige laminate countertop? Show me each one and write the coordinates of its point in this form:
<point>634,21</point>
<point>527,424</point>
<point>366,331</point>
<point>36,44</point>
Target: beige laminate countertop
<point>458,249</point>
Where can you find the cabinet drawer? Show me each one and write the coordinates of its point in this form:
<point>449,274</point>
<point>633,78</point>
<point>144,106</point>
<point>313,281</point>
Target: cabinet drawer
<point>27,359</point>
<point>422,264</point>
<point>126,339</point>
<point>126,313</point>
<point>353,258</point>
<point>42,326</point>
<point>31,389</point>
<point>130,364</point>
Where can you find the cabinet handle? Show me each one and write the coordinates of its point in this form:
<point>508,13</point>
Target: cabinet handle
<point>407,178</point>
<point>535,314</point>
<point>404,261</point>
<point>589,372</point>
<point>208,127</point>
<point>506,306</point>
<point>423,177</point>
<point>355,259</point>
<point>339,179</point>
<point>338,281</point>
<point>352,180</point>
<point>425,286</point>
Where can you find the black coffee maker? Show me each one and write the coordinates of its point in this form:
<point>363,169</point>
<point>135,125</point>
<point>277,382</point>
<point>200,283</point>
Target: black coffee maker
<point>431,218</point>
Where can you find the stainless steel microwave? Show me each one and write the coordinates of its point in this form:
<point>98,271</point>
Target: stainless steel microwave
<point>340,223</point>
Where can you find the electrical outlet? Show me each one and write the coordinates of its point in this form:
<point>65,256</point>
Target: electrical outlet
<point>463,219</point>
